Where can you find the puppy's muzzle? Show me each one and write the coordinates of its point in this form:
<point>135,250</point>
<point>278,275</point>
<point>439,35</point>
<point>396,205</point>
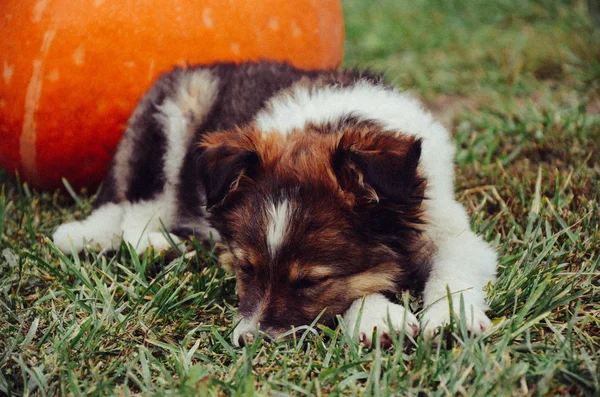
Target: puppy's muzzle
<point>246,332</point>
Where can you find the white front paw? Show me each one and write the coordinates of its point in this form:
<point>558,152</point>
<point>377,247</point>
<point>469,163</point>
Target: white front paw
<point>438,315</point>
<point>69,237</point>
<point>157,240</point>
<point>72,237</point>
<point>375,313</point>
<point>160,242</point>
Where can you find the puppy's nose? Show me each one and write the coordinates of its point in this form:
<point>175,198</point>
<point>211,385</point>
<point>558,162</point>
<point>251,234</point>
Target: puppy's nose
<point>246,337</point>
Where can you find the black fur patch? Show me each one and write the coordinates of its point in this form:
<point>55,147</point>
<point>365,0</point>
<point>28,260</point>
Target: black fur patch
<point>147,160</point>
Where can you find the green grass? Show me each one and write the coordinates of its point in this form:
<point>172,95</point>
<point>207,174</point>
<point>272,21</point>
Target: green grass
<point>517,82</point>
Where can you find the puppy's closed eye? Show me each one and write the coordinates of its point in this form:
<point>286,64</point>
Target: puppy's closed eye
<point>247,270</point>
<point>314,226</point>
<point>306,283</point>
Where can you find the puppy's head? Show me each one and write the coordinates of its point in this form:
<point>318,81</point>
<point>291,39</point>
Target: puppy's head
<point>312,220</point>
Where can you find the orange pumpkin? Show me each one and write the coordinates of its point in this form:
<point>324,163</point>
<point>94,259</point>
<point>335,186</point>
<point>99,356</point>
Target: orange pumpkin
<point>73,71</point>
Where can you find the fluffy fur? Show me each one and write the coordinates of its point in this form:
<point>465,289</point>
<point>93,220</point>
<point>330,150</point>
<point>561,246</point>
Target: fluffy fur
<point>326,189</point>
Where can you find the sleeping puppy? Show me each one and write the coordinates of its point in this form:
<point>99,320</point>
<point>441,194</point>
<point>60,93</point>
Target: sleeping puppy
<point>328,189</point>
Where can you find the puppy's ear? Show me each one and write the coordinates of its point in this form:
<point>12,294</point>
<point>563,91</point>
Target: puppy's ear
<point>222,166</point>
<point>379,165</point>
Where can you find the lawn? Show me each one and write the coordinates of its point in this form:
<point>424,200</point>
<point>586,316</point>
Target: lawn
<point>518,82</point>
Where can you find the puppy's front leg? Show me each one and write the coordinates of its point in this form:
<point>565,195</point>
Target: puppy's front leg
<point>464,264</point>
<point>102,228</point>
<point>143,221</point>
<point>375,311</point>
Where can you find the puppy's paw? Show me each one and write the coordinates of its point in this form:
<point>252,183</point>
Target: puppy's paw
<point>156,240</point>
<point>438,315</point>
<point>101,230</point>
<point>375,313</point>
<point>69,237</point>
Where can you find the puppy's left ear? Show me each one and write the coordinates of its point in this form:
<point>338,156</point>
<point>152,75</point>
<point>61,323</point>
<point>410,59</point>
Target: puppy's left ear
<point>223,165</point>
<point>380,165</point>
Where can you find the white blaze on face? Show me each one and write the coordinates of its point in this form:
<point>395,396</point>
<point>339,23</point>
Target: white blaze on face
<point>278,220</point>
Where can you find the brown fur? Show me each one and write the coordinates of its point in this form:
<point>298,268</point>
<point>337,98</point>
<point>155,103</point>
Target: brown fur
<point>305,156</point>
<point>329,174</point>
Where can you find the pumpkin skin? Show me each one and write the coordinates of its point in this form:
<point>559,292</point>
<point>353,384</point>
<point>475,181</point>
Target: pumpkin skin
<point>73,71</point>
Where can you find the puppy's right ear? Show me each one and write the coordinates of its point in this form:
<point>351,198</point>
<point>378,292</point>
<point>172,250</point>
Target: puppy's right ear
<point>380,165</point>
<point>222,165</point>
